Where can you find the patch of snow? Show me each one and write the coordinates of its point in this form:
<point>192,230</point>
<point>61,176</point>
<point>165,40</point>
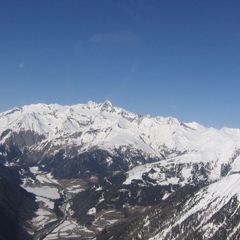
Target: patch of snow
<point>44,191</point>
<point>47,202</point>
<point>92,211</point>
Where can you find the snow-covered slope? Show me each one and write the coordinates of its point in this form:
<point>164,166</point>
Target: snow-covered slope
<point>206,205</point>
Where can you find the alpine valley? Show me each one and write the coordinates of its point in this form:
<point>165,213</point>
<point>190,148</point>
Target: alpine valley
<point>95,171</point>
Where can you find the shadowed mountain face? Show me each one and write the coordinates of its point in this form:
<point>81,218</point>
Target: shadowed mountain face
<point>97,171</point>
<point>16,206</point>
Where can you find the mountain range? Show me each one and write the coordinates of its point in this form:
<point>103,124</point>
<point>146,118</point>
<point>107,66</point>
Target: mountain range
<point>96,171</point>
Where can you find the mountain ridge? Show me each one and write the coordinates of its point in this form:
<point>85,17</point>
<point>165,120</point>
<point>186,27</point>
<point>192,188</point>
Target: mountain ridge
<point>101,125</point>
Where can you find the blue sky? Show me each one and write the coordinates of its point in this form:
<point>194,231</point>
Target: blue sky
<point>177,58</point>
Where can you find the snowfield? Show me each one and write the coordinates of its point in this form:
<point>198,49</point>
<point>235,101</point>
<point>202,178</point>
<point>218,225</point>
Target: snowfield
<point>44,191</point>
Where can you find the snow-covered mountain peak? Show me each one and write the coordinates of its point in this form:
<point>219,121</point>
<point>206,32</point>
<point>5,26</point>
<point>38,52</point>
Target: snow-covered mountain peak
<point>107,103</point>
<point>168,120</point>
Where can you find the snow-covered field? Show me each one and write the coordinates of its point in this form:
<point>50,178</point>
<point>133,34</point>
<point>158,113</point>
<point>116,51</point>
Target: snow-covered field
<point>44,191</point>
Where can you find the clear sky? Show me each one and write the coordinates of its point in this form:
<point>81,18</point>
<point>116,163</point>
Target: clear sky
<point>162,57</point>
